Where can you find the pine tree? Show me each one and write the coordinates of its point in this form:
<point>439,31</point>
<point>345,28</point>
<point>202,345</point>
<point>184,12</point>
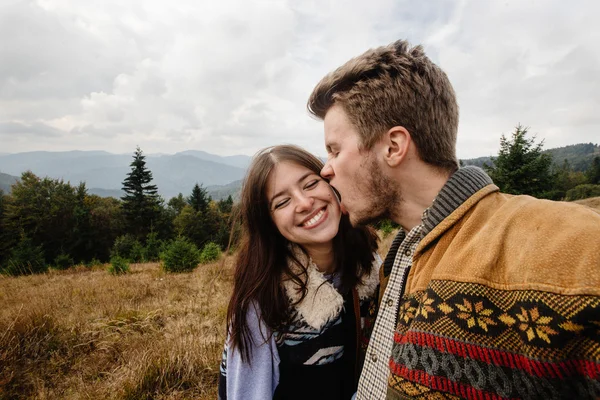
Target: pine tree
<point>83,238</point>
<point>520,167</point>
<point>199,199</point>
<point>593,172</point>
<point>141,202</point>
<point>226,205</point>
<point>3,250</point>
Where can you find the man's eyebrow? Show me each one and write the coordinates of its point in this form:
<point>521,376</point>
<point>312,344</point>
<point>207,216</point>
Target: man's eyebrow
<point>303,177</point>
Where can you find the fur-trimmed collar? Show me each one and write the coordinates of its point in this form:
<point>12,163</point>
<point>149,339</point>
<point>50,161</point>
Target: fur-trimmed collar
<point>322,301</point>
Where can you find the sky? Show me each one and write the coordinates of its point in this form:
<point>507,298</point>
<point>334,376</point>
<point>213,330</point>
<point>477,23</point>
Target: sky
<point>233,76</point>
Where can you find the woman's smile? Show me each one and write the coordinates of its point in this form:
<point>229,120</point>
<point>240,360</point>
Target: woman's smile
<point>314,221</point>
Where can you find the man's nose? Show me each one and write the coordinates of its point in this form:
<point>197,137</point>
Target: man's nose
<point>327,171</point>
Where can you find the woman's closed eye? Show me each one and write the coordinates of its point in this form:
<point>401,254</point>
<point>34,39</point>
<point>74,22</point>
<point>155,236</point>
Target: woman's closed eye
<point>281,204</point>
<point>312,184</point>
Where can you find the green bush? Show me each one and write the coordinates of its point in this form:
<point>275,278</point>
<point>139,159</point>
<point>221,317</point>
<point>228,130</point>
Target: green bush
<point>25,258</point>
<point>583,192</point>
<point>118,265</point>
<point>210,252</point>
<point>122,246</point>
<point>153,247</point>
<point>128,247</point>
<point>63,261</point>
<point>164,245</point>
<point>180,256</point>
<point>137,252</point>
<point>555,194</point>
<point>94,262</point>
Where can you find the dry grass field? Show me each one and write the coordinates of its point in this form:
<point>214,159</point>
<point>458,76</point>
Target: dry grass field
<point>85,334</point>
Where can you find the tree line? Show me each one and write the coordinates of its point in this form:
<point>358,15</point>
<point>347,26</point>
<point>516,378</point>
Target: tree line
<point>48,222</point>
<point>522,167</point>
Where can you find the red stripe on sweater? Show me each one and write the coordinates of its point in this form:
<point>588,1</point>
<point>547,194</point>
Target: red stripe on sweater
<point>542,369</point>
<point>443,384</point>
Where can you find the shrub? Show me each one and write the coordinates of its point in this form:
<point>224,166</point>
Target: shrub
<point>180,256</point>
<point>63,261</point>
<point>164,245</point>
<point>554,194</point>
<point>210,252</point>
<point>583,192</point>
<point>118,265</point>
<point>137,252</point>
<point>153,247</point>
<point>94,262</point>
<point>26,258</point>
<point>123,246</point>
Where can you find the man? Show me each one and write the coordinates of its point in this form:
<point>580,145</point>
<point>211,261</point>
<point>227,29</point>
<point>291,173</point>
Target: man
<point>483,294</point>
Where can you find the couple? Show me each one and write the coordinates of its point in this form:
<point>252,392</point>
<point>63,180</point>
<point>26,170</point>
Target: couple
<point>481,295</point>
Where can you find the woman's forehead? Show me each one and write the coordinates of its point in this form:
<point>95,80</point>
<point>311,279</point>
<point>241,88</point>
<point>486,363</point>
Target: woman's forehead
<point>286,174</point>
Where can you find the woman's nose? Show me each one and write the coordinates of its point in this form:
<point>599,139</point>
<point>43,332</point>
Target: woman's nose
<point>304,203</point>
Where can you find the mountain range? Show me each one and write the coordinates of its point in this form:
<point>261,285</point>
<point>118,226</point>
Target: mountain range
<point>579,156</point>
<point>104,172</point>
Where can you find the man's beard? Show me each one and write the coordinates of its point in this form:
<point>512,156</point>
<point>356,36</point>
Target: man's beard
<point>383,196</point>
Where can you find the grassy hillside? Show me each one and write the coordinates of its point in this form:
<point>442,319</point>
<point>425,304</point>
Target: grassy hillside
<point>86,334</point>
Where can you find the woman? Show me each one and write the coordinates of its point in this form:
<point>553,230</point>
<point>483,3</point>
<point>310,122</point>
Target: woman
<point>305,286</point>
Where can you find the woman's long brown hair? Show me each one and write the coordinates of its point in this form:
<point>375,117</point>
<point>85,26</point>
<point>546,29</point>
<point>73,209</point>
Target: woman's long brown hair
<point>264,254</point>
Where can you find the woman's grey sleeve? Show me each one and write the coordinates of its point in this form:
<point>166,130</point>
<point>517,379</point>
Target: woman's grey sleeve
<point>258,379</point>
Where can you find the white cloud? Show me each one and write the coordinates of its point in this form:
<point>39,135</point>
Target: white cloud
<point>523,62</point>
<point>233,76</point>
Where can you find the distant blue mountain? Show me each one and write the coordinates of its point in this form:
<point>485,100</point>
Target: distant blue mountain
<point>6,181</point>
<point>105,172</point>
<point>239,161</point>
<point>222,176</point>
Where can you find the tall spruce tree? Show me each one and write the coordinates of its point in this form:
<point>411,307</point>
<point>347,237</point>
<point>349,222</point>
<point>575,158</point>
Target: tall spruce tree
<point>521,167</point>
<point>141,203</point>
<point>199,199</point>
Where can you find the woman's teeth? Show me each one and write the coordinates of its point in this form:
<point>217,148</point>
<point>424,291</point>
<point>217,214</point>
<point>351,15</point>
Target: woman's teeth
<point>314,219</point>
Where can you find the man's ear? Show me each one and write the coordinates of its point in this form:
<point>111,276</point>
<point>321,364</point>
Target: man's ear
<point>397,142</point>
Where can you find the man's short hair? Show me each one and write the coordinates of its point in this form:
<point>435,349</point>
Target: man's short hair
<point>395,85</point>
